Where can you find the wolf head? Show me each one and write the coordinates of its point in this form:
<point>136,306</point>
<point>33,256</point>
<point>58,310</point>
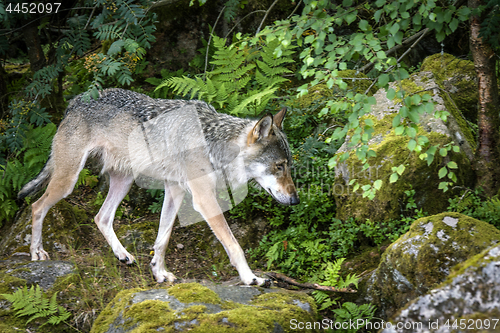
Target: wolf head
<point>271,160</point>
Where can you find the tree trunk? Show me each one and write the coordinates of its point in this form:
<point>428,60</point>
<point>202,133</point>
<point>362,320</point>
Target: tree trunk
<point>35,52</point>
<point>487,154</point>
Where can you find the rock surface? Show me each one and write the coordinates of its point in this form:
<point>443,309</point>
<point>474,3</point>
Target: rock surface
<point>423,258</point>
<point>392,151</point>
<point>63,226</point>
<point>469,299</point>
<point>197,308</point>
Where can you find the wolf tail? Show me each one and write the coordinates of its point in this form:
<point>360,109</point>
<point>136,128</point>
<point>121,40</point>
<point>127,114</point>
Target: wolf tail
<point>39,182</point>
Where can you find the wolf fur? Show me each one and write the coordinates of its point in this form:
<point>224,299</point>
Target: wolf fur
<point>186,145</point>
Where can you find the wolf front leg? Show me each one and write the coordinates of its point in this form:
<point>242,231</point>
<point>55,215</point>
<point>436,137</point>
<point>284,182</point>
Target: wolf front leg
<point>205,202</point>
<point>171,204</point>
<point>119,185</point>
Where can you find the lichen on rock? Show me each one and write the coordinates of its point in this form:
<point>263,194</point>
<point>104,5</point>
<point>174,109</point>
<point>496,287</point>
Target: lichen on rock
<point>423,257</point>
<point>391,151</point>
<point>211,308</point>
<point>470,295</point>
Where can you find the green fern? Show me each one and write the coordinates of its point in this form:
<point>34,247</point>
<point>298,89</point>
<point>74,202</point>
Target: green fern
<point>33,303</point>
<point>353,312</point>
<point>331,277</point>
<point>23,166</point>
<point>244,78</point>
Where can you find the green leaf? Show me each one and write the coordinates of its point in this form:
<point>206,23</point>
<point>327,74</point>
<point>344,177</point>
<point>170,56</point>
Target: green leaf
<point>363,25</point>
<point>443,186</point>
<point>412,144</point>
<point>399,130</point>
<point>394,177</point>
<point>401,169</point>
<point>116,47</point>
<point>391,93</point>
<point>452,165</point>
<point>394,29</point>
<point>442,172</point>
<point>377,184</point>
<point>396,121</point>
<point>443,152</point>
<point>383,80</point>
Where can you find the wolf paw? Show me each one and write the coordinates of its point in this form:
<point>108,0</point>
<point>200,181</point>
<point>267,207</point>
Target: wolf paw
<point>162,275</point>
<point>39,254</point>
<point>129,260</point>
<point>257,281</point>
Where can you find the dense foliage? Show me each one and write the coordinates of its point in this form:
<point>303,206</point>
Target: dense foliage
<point>93,44</point>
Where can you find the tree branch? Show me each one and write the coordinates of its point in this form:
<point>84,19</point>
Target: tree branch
<point>278,276</point>
<point>160,3</point>
<point>419,35</point>
<point>265,16</point>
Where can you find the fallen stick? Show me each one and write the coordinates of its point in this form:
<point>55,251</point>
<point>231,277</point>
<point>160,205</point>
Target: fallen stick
<point>284,278</point>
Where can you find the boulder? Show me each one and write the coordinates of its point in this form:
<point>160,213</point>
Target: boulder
<point>468,299</point>
<point>19,272</point>
<point>391,150</point>
<point>457,77</point>
<point>202,308</point>
<point>63,226</point>
<point>423,257</point>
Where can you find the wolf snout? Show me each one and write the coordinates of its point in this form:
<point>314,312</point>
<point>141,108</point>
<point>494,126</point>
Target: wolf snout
<point>294,199</point>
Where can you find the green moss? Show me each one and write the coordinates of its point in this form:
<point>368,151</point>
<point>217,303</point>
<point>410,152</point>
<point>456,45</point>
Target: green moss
<point>391,152</point>
<point>261,315</point>
<point>9,283</point>
<point>457,78</point>
<point>149,315</point>
<point>113,310</point>
<point>468,238</point>
<point>194,292</point>
<point>473,262</point>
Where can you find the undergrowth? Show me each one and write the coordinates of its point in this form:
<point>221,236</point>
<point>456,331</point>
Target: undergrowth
<point>34,304</point>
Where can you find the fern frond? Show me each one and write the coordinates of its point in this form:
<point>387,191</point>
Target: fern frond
<point>254,98</point>
<point>32,302</point>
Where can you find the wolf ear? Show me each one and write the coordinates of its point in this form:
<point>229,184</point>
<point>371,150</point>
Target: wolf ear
<point>278,117</point>
<point>261,130</point>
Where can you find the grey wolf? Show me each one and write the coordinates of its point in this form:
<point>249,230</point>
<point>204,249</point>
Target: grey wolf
<point>185,144</point>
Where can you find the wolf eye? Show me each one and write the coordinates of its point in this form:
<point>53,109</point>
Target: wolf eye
<point>280,167</point>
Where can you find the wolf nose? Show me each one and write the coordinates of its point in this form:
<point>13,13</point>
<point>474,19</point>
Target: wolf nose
<point>294,200</point>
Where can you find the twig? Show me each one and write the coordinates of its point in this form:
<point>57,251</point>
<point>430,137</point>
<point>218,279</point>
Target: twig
<point>91,14</point>
<point>208,44</point>
<point>278,276</point>
<point>419,35</point>
<point>265,16</point>
<point>294,10</point>
<point>161,3</point>
<point>244,17</point>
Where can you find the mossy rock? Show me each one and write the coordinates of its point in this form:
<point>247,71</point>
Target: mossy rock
<point>391,150</point>
<point>423,257</point>
<point>62,227</point>
<point>18,272</point>
<point>212,308</point>
<point>469,295</point>
<point>458,78</point>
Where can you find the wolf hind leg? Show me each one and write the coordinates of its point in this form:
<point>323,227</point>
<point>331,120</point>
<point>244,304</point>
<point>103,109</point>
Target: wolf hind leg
<point>119,185</point>
<point>171,203</point>
<point>205,202</point>
<point>61,184</point>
